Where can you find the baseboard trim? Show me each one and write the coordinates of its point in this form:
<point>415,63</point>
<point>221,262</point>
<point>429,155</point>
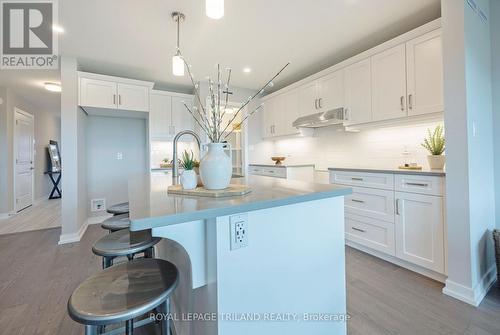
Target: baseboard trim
<point>472,296</point>
<point>391,259</point>
<point>76,237</point>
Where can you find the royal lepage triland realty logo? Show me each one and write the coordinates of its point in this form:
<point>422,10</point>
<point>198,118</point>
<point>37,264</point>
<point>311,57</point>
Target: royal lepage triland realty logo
<point>28,37</point>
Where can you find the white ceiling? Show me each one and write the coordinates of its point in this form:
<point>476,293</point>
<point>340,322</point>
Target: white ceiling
<point>136,39</point>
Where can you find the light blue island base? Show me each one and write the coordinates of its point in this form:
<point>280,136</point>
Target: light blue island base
<point>289,279</point>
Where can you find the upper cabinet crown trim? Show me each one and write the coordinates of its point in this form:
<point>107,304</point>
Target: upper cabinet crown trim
<point>172,94</point>
<point>406,37</point>
<point>121,80</point>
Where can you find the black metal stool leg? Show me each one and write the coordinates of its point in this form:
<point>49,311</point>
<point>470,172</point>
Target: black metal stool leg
<point>165,324</point>
<point>130,257</point>
<point>90,330</point>
<point>149,253</point>
<point>107,262</point>
<point>129,327</point>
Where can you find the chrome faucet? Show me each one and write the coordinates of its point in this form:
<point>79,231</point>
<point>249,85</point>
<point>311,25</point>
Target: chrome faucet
<point>175,166</point>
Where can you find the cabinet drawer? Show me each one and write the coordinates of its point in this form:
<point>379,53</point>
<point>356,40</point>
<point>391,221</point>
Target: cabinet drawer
<point>375,234</point>
<point>364,179</point>
<point>268,171</point>
<point>431,185</point>
<point>373,203</point>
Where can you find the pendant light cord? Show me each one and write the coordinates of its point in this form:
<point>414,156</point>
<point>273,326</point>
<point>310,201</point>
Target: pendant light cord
<point>178,31</point>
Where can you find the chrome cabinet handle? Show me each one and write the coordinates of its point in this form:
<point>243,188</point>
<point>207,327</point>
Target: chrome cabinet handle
<point>402,101</point>
<point>357,179</point>
<point>119,99</point>
<point>410,101</point>
<point>357,200</point>
<point>319,103</point>
<point>114,99</point>
<point>397,206</point>
<point>417,184</point>
<point>358,229</point>
<point>346,114</point>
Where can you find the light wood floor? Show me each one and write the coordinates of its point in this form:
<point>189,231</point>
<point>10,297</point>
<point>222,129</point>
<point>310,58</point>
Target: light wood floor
<point>46,214</point>
<point>37,276</point>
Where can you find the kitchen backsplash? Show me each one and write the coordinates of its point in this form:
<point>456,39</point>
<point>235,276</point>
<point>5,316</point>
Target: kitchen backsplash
<point>164,150</point>
<point>381,147</point>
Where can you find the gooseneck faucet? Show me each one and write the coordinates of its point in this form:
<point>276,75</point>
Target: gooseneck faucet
<point>175,166</point>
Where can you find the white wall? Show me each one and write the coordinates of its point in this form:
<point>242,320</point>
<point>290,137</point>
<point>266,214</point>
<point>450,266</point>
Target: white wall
<point>4,177</point>
<point>495,53</point>
<point>107,177</point>
<point>470,178</point>
<point>378,147</point>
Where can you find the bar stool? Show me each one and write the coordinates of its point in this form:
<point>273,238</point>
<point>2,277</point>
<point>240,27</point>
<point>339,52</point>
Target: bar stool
<point>118,209</point>
<point>116,222</point>
<point>124,292</point>
<point>124,243</point>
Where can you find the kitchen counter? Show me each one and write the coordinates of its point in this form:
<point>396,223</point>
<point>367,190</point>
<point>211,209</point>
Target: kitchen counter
<point>284,165</point>
<point>294,230</point>
<point>424,172</point>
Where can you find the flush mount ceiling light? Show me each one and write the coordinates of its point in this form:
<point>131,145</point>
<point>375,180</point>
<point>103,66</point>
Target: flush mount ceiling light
<point>215,9</point>
<point>247,70</point>
<point>52,87</point>
<point>177,61</point>
<point>57,29</point>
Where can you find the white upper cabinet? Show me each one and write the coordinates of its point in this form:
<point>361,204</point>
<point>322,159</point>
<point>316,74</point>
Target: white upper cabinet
<point>133,97</point>
<point>97,93</point>
<point>268,118</point>
<point>331,91</point>
<point>160,116</point>
<point>279,114</point>
<point>308,99</point>
<point>389,84</point>
<point>181,118</point>
<point>100,92</point>
<point>424,59</point>
<point>358,93</point>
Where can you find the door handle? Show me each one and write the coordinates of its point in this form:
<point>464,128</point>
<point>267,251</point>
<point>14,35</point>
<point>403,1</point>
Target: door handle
<point>114,99</point>
<point>346,114</point>
<point>357,179</point>
<point>119,99</point>
<point>417,184</point>
<point>315,103</point>
<point>319,103</point>
<point>358,229</point>
<point>397,206</point>
<point>357,200</point>
<point>402,101</point>
<point>410,101</point>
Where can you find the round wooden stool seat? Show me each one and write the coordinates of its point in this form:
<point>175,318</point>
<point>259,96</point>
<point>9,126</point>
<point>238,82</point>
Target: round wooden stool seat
<point>123,292</point>
<point>117,222</point>
<point>118,209</point>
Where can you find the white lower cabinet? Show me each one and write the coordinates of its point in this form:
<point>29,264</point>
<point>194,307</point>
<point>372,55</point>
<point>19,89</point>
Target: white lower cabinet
<point>420,230</point>
<point>396,214</point>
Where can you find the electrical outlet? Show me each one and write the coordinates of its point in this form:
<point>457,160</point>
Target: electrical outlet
<point>97,205</point>
<point>239,231</point>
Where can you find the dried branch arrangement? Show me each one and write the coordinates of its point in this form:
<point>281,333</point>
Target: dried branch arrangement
<point>210,118</point>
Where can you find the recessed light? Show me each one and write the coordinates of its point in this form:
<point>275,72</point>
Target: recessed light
<point>58,29</point>
<point>53,87</point>
<point>247,70</point>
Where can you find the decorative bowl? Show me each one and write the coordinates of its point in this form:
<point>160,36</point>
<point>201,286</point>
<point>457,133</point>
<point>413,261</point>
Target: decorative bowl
<point>278,159</point>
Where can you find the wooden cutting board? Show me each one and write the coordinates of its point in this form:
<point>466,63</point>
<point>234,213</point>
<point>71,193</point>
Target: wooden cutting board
<point>231,191</point>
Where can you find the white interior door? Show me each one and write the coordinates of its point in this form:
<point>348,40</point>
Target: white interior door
<point>23,153</point>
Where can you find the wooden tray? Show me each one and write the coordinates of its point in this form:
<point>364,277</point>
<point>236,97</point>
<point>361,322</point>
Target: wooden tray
<point>231,191</point>
<point>410,168</point>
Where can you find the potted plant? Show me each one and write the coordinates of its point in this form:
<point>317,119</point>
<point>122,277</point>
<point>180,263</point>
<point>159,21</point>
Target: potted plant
<point>435,144</point>
<point>189,180</point>
<point>165,163</point>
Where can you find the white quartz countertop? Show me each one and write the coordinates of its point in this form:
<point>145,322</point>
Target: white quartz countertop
<point>425,172</point>
<point>284,165</point>
<point>151,206</point>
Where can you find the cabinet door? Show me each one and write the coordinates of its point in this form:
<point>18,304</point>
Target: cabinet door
<point>308,96</point>
<point>160,117</point>
<point>98,93</point>
<point>268,118</point>
<point>358,92</point>
<point>420,230</point>
<point>389,84</point>
<point>424,58</point>
<point>286,113</point>
<point>331,91</point>
<point>181,118</point>
<point>133,97</point>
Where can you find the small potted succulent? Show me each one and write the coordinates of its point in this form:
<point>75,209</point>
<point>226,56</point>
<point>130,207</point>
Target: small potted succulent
<point>435,144</point>
<point>165,164</point>
<point>189,180</point>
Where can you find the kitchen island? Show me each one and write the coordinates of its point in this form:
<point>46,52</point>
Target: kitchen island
<point>287,274</point>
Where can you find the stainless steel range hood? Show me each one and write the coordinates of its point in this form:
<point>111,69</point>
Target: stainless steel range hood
<point>322,119</point>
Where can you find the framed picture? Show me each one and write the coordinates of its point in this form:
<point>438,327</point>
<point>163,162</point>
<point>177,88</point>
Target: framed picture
<point>55,157</point>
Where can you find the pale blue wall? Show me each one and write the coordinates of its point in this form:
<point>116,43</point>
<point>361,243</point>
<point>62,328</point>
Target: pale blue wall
<point>495,47</point>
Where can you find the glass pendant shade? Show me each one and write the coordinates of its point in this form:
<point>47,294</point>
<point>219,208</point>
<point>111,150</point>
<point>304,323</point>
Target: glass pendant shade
<point>177,66</point>
<point>215,9</point>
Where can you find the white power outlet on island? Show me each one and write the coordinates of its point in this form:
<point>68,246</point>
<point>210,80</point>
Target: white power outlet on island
<point>239,231</point>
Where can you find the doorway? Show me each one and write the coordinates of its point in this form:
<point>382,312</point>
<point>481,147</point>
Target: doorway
<point>23,159</point>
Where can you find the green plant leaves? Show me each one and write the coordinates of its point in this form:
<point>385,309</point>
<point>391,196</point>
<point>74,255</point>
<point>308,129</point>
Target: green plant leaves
<point>435,142</point>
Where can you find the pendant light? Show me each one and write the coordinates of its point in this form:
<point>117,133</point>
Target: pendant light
<point>177,61</point>
<point>215,9</point>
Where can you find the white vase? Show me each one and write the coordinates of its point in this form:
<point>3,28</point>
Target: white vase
<point>189,180</point>
<point>436,162</point>
<point>216,167</point>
